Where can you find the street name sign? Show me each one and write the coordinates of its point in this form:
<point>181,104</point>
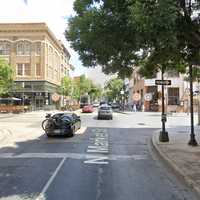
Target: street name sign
<point>163,82</point>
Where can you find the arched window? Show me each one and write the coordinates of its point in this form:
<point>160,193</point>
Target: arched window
<point>38,48</point>
<point>4,48</point>
<point>23,48</point>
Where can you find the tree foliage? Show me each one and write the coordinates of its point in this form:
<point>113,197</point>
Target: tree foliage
<point>120,34</point>
<point>113,88</point>
<point>6,77</point>
<point>76,88</point>
<point>101,34</point>
<point>170,30</point>
<point>66,86</point>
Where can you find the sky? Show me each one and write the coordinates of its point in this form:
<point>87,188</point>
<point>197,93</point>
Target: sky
<point>53,12</point>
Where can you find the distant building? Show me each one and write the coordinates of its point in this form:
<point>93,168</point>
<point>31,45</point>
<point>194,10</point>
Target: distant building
<point>38,59</point>
<point>176,94</point>
<point>97,76</point>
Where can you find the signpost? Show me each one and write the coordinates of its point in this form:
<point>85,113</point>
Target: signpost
<point>163,133</point>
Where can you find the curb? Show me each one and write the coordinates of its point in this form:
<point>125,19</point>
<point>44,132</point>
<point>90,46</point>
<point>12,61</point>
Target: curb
<point>188,181</point>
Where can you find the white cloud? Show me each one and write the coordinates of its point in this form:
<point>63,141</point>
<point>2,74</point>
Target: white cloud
<point>52,12</point>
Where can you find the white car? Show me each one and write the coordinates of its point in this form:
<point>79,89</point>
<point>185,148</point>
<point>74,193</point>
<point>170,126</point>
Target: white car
<point>105,112</point>
<point>95,104</point>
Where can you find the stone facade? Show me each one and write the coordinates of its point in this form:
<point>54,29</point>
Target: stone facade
<point>38,59</point>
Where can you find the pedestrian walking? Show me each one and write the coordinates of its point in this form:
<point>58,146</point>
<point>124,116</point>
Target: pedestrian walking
<point>134,108</point>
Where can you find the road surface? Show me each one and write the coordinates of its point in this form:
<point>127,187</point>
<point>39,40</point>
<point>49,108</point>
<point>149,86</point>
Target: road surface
<point>105,160</point>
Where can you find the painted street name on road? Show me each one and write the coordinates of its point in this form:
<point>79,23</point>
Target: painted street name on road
<point>99,147</point>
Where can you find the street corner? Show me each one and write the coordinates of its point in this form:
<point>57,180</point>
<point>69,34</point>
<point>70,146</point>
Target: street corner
<point>181,158</point>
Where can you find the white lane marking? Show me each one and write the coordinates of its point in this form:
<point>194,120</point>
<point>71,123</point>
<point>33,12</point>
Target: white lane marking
<point>100,146</point>
<point>42,194</point>
<point>98,160</point>
<point>97,149</point>
<point>78,156</point>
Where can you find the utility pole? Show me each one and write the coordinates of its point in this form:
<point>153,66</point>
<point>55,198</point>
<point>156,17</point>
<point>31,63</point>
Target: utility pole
<point>192,141</point>
<point>163,133</point>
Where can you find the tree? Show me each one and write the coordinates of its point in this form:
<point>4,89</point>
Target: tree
<point>6,77</point>
<point>66,86</point>
<point>84,85</point>
<point>102,34</point>
<point>113,88</point>
<point>120,34</point>
<point>95,92</point>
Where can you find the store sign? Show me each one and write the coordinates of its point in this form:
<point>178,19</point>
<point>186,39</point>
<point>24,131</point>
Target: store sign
<point>55,97</point>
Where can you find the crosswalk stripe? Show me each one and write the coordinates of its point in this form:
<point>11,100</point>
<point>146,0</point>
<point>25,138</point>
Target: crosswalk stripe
<point>73,156</point>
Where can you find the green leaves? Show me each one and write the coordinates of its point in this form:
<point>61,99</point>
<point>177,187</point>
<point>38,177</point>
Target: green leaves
<point>122,34</point>
<point>66,86</point>
<point>6,77</point>
<point>113,88</point>
<point>77,87</point>
<point>101,34</point>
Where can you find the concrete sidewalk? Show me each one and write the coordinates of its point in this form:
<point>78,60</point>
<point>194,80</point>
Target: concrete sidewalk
<point>183,159</point>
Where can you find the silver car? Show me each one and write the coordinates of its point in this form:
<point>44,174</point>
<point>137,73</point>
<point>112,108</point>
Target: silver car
<point>105,112</point>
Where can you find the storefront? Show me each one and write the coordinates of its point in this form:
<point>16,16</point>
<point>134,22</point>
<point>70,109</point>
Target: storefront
<point>37,94</point>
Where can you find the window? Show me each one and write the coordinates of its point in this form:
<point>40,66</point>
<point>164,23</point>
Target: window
<point>38,48</point>
<point>23,69</point>
<point>173,96</point>
<point>23,48</point>
<point>38,69</point>
<point>20,69</point>
<point>4,48</point>
<point>27,69</point>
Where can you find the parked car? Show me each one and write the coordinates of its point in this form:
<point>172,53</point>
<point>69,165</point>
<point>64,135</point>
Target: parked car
<point>61,124</point>
<point>88,109</point>
<point>105,112</point>
<point>115,106</point>
<point>102,103</point>
<point>95,104</point>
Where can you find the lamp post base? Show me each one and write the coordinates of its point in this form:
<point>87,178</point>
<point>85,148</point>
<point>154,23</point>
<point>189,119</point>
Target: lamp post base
<point>193,142</point>
<point>163,137</point>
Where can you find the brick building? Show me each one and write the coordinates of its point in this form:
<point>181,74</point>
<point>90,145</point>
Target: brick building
<point>176,95</point>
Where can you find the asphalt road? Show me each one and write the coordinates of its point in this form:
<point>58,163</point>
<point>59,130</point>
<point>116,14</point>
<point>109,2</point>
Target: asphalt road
<point>106,160</point>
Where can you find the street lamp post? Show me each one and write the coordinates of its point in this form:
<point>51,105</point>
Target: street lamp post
<point>163,133</point>
<point>122,93</point>
<point>192,141</point>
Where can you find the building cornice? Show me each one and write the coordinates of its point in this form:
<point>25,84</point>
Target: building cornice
<point>29,28</point>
